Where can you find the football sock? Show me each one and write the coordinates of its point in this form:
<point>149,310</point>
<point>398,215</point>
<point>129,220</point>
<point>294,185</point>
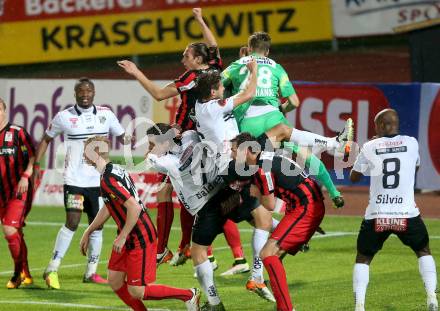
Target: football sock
<point>304,138</point>
<point>24,256</point>
<point>428,272</point>
<point>159,292</point>
<point>361,277</point>
<point>275,223</point>
<point>95,245</point>
<point>186,222</point>
<point>278,282</point>
<point>14,245</point>
<point>232,236</point>
<point>125,296</point>
<point>259,238</point>
<point>205,275</point>
<point>62,244</point>
<point>165,216</point>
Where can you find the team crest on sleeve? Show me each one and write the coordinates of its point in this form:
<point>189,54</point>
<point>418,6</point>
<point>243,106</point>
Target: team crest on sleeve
<point>8,137</point>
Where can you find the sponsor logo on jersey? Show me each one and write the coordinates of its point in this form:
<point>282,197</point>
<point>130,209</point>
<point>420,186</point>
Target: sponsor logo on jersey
<point>73,122</point>
<point>7,151</point>
<point>264,92</point>
<point>387,199</point>
<point>391,150</point>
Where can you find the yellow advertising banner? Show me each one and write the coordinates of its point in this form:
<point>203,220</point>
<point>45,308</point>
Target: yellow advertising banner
<point>159,31</point>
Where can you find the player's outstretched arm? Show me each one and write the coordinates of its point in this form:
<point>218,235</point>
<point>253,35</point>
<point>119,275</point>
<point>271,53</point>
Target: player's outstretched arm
<point>133,211</point>
<point>158,93</point>
<point>249,92</point>
<point>102,216</point>
<point>208,36</point>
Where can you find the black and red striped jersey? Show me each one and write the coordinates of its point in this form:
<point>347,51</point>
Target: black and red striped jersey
<point>185,84</point>
<point>116,188</point>
<point>286,179</point>
<point>16,150</point>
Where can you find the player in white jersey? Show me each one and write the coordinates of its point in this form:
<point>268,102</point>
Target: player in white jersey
<point>194,174</point>
<point>81,181</point>
<point>391,160</point>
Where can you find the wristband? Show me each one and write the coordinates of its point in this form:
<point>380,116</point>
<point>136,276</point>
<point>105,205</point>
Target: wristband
<point>25,175</point>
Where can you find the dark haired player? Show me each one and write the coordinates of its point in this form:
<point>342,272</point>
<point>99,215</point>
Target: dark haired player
<point>16,191</point>
<point>263,112</point>
<point>132,265</point>
<point>197,58</point>
<point>391,160</point>
<point>281,177</point>
<point>81,182</point>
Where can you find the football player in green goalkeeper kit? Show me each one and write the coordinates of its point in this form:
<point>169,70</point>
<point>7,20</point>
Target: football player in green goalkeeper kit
<point>263,112</point>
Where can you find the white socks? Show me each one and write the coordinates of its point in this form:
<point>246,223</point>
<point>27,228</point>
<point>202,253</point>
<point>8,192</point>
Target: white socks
<point>259,238</point>
<point>205,275</point>
<point>62,244</point>
<point>361,277</point>
<point>428,273</point>
<point>95,245</point>
<point>304,138</point>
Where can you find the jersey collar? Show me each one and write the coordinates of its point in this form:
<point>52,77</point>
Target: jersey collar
<point>78,111</point>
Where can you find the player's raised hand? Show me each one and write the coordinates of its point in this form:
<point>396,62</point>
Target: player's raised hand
<point>252,65</point>
<point>128,66</point>
<point>84,243</point>
<point>338,202</point>
<point>197,13</point>
<point>244,51</point>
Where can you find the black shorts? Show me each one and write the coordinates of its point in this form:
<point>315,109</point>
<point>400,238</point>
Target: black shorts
<point>209,220</point>
<point>77,199</point>
<point>369,241</point>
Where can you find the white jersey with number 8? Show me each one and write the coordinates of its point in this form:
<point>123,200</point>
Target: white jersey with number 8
<point>391,164</point>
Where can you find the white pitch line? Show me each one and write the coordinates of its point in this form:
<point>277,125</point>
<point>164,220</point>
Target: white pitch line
<point>69,305</point>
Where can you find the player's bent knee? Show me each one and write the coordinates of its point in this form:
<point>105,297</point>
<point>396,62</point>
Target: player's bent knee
<point>423,252</point>
<point>262,218</point>
<point>9,230</point>
<point>116,279</point>
<point>269,249</point>
<point>136,291</point>
<point>198,253</point>
<point>365,259</point>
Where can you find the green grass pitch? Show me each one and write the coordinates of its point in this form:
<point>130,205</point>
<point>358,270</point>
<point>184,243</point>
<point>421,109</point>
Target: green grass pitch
<point>318,280</point>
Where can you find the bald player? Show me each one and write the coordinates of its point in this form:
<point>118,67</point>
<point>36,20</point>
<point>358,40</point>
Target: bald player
<point>391,160</point>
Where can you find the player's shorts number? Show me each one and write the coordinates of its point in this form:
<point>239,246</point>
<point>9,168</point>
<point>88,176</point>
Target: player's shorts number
<point>391,177</point>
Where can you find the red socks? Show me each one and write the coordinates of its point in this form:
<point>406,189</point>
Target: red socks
<point>159,292</point>
<point>24,257</point>
<point>232,236</point>
<point>125,296</point>
<point>278,282</point>
<point>14,244</point>
<point>186,223</point>
<point>165,216</point>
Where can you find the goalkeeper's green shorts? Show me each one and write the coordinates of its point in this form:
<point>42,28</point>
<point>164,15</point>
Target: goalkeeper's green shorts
<point>256,126</point>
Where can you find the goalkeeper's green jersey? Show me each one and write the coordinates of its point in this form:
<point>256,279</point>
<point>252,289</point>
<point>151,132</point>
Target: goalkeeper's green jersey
<point>272,82</point>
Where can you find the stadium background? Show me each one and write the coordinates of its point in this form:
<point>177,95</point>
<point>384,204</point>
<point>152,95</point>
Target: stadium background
<point>343,51</point>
